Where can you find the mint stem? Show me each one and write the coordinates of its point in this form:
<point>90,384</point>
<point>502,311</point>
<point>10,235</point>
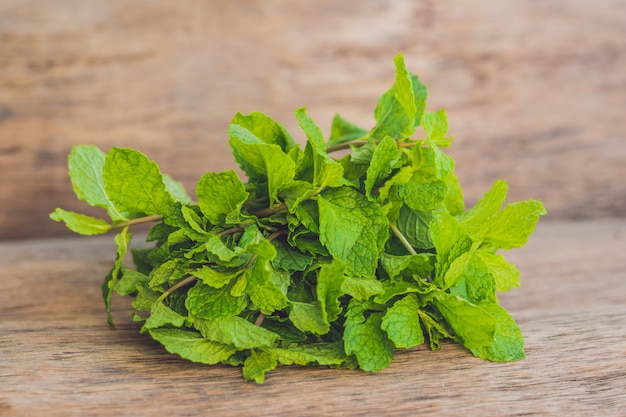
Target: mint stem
<point>402,239</point>
<point>138,220</point>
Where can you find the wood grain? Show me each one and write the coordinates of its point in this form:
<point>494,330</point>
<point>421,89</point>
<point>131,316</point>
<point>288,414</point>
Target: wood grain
<point>535,91</point>
<point>59,358</point>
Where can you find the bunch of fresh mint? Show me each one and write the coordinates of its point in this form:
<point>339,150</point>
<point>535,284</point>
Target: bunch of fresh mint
<point>315,260</point>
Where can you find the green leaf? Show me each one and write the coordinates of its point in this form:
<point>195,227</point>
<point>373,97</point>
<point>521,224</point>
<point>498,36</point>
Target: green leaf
<point>450,241</point>
<point>342,131</point>
<point>134,183</point>
<point>192,346</point>
<point>266,129</point>
<point>308,317</point>
<point>475,219</point>
<point>214,278</point>
<point>235,331</point>
<point>86,166</point>
<point>326,171</point>
<point>262,290</point>
<point>258,364</point>
<point>289,258</point>
<point>262,162</point>
<point>314,353</point>
<point>364,338</point>
<point>505,274</point>
<point>422,194</point>
<point>511,227</point>
<point>176,189</point>
<point>474,325</point>
<point>122,241</point>
<point>220,196</point>
<point>436,126</point>
<point>206,302</point>
<point>402,324</point>
<point>415,226</point>
<point>80,223</point>
<point>396,111</point>
<point>508,344</point>
<point>386,158</point>
<point>352,228</point>
<point>361,288</point>
<point>161,315</point>
<point>130,281</point>
<point>330,281</point>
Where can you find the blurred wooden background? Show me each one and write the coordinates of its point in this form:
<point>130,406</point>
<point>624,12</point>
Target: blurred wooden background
<point>535,90</point>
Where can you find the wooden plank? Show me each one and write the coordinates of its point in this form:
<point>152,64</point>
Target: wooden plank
<point>535,91</point>
<point>59,358</point>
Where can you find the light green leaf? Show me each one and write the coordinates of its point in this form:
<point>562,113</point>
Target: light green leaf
<point>313,353</point>
<point>402,324</point>
<point>176,189</point>
<point>361,288</point>
<point>261,161</point>
<point>330,281</point>
<point>258,364</point>
<point>80,223</point>
<point>475,219</point>
<point>386,158</point>
<point>474,325</point>
<point>511,227</point>
<point>450,242</point>
<point>161,315</point>
<point>86,166</point>
<point>214,278</point>
<point>342,131</point>
<point>235,331</point>
<point>289,258</point>
<point>134,183</point>
<point>352,228</point>
<point>266,129</point>
<point>122,241</point>
<point>505,274</point>
<point>436,126</point>
<point>396,111</point>
<point>130,281</point>
<point>508,344</point>
<point>365,339</point>
<point>326,171</point>
<point>220,196</point>
<point>423,194</point>
<point>308,317</point>
<point>414,225</point>
<point>206,302</point>
<point>192,346</point>
<point>262,290</point>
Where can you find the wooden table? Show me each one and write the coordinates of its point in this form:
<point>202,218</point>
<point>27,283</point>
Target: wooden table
<point>58,356</point>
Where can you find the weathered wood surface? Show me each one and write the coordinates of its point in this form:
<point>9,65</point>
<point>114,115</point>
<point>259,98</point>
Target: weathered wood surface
<point>59,358</point>
<point>535,91</point>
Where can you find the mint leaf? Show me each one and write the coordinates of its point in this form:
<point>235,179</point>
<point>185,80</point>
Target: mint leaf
<point>257,364</point>
<point>86,166</point>
<point>318,353</point>
<point>397,109</point>
<point>80,223</point>
<point>220,196</point>
<point>365,339</point>
<point>511,227</point>
<point>401,322</point>
<point>206,302</point>
<point>122,241</point>
<point>261,161</point>
<point>386,158</point>
<point>266,129</point>
<point>262,290</point>
<point>342,131</point>
<point>190,345</point>
<point>235,331</point>
<point>309,317</point>
<point>351,228</point>
<point>505,274</point>
<point>326,171</point>
<point>134,183</point>
<point>508,344</point>
<point>330,281</point>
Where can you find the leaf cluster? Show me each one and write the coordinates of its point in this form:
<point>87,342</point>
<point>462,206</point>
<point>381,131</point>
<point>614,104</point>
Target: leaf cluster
<point>314,259</point>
